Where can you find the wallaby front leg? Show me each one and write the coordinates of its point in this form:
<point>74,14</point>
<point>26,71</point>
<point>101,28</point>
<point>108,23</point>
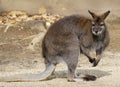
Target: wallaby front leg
<point>91,60</point>
<point>98,57</point>
<point>86,53</point>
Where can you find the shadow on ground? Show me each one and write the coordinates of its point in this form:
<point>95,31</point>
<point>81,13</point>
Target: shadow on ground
<point>94,72</point>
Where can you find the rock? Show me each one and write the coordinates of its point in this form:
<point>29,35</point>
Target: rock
<point>42,10</point>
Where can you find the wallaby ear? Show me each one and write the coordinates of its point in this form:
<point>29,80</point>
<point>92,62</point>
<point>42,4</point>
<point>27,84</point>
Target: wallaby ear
<point>105,15</point>
<point>92,14</point>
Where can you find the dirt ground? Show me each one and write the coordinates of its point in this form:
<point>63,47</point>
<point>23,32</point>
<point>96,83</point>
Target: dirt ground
<point>15,58</point>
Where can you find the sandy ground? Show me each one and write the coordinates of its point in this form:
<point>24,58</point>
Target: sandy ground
<point>16,59</point>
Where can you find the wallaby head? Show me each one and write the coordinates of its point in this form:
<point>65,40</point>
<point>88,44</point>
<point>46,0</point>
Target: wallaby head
<point>98,24</point>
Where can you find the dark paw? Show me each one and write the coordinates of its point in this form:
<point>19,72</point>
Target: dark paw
<point>92,60</point>
<point>95,63</point>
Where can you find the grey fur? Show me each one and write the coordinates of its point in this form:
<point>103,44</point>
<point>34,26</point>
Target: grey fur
<point>72,35</point>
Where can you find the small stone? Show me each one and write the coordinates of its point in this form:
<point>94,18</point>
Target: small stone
<point>42,10</point>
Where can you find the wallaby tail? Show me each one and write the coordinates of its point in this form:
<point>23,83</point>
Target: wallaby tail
<point>30,77</point>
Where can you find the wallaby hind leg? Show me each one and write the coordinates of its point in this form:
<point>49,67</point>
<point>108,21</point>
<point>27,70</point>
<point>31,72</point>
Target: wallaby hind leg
<point>71,72</point>
<point>72,61</point>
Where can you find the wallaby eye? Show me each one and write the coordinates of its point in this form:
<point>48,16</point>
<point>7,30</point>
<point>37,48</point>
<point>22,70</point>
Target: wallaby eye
<point>93,24</point>
<point>101,24</point>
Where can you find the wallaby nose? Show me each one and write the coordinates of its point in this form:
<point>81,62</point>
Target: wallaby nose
<point>96,32</point>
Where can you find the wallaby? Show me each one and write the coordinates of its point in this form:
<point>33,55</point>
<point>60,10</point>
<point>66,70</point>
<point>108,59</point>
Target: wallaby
<point>65,40</point>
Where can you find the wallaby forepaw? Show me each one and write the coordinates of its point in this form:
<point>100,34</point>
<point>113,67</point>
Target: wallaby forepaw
<point>95,63</point>
<point>92,60</point>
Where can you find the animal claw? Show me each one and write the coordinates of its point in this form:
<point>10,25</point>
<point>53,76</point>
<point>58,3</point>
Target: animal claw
<point>95,63</point>
<point>92,60</point>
